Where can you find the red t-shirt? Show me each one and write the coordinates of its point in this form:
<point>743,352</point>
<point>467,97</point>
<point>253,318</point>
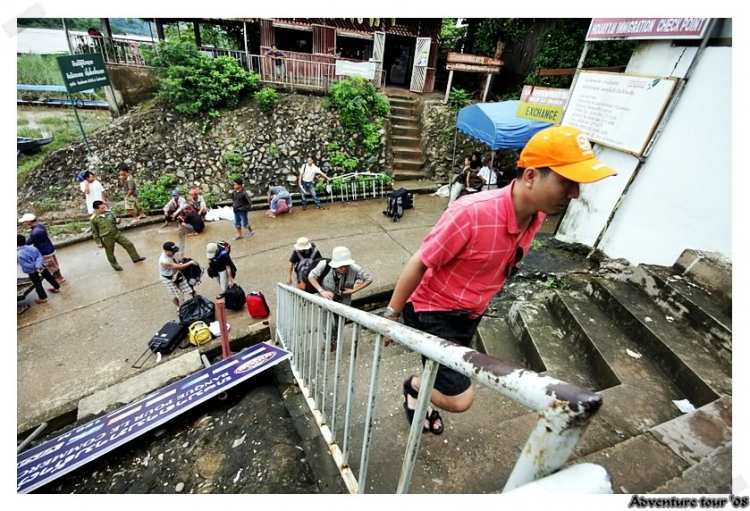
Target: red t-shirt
<point>468,251</point>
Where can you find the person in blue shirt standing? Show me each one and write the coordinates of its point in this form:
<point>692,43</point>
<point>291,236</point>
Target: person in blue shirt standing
<point>39,238</point>
<point>30,260</point>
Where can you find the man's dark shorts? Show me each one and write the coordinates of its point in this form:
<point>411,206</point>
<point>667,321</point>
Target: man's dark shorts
<point>454,326</point>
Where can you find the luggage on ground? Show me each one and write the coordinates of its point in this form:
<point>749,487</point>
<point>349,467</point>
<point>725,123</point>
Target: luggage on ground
<point>234,297</point>
<point>197,309</point>
<point>257,306</point>
<point>397,202</point>
<point>199,333</point>
<point>192,273</point>
<point>165,341</point>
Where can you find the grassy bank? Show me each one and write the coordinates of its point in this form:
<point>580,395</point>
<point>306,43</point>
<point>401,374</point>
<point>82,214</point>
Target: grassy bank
<point>61,126</point>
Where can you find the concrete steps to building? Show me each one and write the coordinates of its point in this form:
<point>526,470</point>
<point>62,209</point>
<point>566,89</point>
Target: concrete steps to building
<point>696,370</point>
<point>685,301</point>
<point>404,120</point>
<point>403,110</point>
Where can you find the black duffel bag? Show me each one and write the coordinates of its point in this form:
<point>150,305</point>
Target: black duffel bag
<point>234,297</point>
<point>197,309</point>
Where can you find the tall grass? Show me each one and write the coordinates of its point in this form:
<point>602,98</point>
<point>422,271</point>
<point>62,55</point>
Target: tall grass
<point>38,70</point>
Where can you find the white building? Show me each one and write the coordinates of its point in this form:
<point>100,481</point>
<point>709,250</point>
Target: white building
<point>681,196</point>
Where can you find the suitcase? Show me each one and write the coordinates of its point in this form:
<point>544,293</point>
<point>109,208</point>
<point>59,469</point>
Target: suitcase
<point>165,341</point>
<point>234,297</point>
<point>257,306</point>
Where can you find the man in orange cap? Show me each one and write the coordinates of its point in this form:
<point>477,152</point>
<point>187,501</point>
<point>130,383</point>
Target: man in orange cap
<point>476,245</point>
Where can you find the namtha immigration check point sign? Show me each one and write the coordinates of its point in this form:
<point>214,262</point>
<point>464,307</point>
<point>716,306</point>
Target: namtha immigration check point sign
<point>55,458</point>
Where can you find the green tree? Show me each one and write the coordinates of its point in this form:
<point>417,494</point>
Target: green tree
<point>562,48</point>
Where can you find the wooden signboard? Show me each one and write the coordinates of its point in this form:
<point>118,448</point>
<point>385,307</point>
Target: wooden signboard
<point>472,68</point>
<point>466,58</point>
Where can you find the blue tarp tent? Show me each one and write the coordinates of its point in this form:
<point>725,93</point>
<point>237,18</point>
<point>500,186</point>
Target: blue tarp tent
<point>496,125</point>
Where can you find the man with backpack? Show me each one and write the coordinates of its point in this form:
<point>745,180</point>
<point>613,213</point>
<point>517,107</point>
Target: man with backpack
<point>220,265</point>
<point>475,247</point>
<point>170,274</point>
<point>306,181</point>
<point>304,255</point>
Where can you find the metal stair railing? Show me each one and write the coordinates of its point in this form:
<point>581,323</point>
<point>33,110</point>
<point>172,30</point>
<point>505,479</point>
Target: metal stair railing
<point>304,327</point>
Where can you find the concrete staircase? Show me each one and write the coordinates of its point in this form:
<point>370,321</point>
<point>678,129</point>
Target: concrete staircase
<point>642,344</point>
<point>406,135</point>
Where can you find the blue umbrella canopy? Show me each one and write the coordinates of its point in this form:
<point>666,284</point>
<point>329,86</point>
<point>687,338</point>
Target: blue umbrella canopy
<point>496,125</point>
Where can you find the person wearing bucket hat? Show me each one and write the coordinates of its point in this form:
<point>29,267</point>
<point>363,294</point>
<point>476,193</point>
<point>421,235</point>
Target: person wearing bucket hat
<point>476,246</point>
<point>170,276</point>
<point>39,238</point>
<point>339,281</point>
<point>175,208</point>
<point>304,251</point>
<point>339,285</point>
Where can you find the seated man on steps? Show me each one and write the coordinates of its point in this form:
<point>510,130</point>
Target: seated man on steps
<point>476,245</point>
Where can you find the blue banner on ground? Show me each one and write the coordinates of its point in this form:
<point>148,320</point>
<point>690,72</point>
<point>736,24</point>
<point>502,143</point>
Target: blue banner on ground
<point>54,458</point>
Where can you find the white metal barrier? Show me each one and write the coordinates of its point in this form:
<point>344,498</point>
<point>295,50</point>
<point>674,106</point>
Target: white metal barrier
<point>304,327</point>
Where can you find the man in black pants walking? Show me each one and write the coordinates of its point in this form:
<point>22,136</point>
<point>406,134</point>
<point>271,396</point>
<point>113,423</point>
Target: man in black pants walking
<point>32,264</point>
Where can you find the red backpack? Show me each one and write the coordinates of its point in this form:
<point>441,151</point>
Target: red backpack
<point>257,306</point>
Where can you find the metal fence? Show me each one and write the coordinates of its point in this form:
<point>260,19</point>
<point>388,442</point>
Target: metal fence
<point>289,73</point>
<point>305,327</point>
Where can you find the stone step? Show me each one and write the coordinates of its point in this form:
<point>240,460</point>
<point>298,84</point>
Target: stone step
<point>642,386</point>
<point>638,465</point>
<point>403,111</point>
<point>408,175</point>
<point>405,130</point>
<point>699,374</point>
<point>683,300</point>
<point>407,164</point>
<point>495,338</point>
<point>405,141</point>
<point>408,153</point>
<point>713,475</point>
<point>710,270</point>
<point>404,120</point>
<point>547,350</point>
<point>402,99</point>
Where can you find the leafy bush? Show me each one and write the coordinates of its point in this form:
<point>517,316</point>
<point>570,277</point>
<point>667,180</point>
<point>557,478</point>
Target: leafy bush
<point>337,159</point>
<point>233,159</point>
<point>48,204</point>
<point>332,147</point>
<point>195,83</point>
<point>458,98</point>
<point>210,199</point>
<point>273,150</point>
<point>357,102</point>
<point>267,98</point>
<point>156,195</point>
<point>234,176</point>
<point>350,164</point>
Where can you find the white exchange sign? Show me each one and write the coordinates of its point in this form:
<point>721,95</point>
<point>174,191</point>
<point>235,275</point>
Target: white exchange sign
<point>617,110</point>
<point>362,69</point>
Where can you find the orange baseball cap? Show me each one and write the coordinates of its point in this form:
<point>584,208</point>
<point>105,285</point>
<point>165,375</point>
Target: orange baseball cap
<point>568,152</point>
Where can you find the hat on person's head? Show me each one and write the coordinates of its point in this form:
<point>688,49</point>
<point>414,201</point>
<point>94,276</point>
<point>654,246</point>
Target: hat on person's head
<point>175,192</point>
<point>341,257</point>
<point>170,247</point>
<point>211,249</point>
<point>28,217</point>
<point>194,192</point>
<point>568,152</point>
<point>302,244</point>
